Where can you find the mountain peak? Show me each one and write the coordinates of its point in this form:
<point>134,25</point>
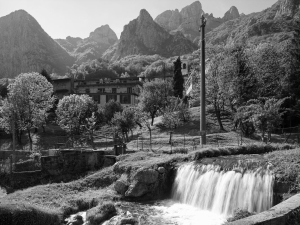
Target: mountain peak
<point>104,34</point>
<point>231,14</point>
<point>144,15</point>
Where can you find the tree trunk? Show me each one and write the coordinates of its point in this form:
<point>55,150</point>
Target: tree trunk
<point>44,131</point>
<point>30,139</point>
<point>218,115</point>
<point>127,139</point>
<point>152,119</point>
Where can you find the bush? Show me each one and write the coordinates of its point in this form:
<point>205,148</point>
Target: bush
<point>101,213</point>
<point>25,214</point>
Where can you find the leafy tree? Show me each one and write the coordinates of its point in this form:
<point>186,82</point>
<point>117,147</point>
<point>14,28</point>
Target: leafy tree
<point>28,100</point>
<point>125,121</point>
<point>72,112</point>
<point>109,109</point>
<point>178,79</point>
<point>154,97</point>
<point>265,114</point>
<point>142,119</point>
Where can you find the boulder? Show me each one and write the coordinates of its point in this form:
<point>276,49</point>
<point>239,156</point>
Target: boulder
<point>161,170</point>
<point>137,189</point>
<point>146,176</point>
<point>121,186</point>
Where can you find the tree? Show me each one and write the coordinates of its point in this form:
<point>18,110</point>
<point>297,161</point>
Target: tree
<point>72,112</point>
<point>142,119</point>
<point>109,110</point>
<point>154,97</point>
<point>125,121</point>
<point>264,113</point>
<point>46,75</point>
<point>178,79</point>
<point>28,100</point>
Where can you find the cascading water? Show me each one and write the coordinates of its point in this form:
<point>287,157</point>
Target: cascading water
<point>207,187</point>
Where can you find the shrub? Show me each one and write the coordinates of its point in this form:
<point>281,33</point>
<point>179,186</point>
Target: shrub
<point>100,213</point>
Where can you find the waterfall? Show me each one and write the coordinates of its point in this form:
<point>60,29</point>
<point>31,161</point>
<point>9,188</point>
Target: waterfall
<point>209,188</point>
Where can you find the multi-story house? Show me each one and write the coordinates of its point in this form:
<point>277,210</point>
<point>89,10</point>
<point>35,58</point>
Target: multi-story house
<point>62,87</point>
<point>123,90</point>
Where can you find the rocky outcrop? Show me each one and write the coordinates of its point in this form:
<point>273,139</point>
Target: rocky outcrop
<point>91,47</point>
<point>144,36</point>
<point>143,183</point>
<point>231,14</point>
<point>288,8</point>
<point>26,47</point>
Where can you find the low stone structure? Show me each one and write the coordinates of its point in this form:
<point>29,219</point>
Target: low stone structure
<point>285,213</point>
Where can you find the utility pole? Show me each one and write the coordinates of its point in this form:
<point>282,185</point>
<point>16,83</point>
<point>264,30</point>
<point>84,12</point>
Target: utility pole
<point>202,83</point>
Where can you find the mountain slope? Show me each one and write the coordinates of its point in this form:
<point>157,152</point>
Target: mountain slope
<point>275,24</point>
<point>91,47</point>
<point>26,47</point>
<point>144,36</point>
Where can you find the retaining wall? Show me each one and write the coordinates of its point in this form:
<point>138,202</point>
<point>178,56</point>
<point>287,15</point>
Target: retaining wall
<point>285,213</point>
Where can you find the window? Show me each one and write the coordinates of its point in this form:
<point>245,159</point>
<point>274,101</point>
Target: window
<point>101,90</point>
<point>114,90</point>
<point>111,97</point>
<point>184,66</point>
<point>125,99</point>
<point>87,90</point>
<point>129,90</point>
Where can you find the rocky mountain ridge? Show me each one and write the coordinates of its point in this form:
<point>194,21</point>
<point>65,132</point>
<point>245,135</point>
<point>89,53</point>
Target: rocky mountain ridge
<point>144,36</point>
<point>187,21</point>
<point>26,47</point>
<point>275,24</point>
<point>91,47</point>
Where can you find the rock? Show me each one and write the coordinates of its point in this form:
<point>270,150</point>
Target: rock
<point>76,220</point>
<point>120,187</point>
<point>147,176</point>
<point>288,8</point>
<point>137,189</point>
<point>161,170</point>
<point>231,14</point>
<point>130,220</point>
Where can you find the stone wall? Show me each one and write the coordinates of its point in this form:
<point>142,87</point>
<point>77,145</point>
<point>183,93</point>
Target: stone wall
<point>75,161</point>
<point>285,213</point>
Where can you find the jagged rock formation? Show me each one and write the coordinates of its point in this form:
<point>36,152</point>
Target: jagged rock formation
<point>275,24</point>
<point>144,36</point>
<point>288,8</point>
<point>231,14</point>
<point>187,21</point>
<point>91,47</point>
<point>26,47</point>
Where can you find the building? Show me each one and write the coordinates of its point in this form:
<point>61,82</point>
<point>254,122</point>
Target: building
<point>62,87</point>
<point>124,90</point>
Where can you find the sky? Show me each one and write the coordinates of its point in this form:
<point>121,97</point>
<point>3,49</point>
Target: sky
<point>77,18</point>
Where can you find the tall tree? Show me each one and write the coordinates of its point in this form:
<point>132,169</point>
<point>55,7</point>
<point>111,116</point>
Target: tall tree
<point>28,100</point>
<point>178,79</point>
<point>153,97</point>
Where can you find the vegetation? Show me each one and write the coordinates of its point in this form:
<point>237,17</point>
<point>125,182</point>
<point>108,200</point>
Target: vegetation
<point>27,103</point>
<point>178,79</point>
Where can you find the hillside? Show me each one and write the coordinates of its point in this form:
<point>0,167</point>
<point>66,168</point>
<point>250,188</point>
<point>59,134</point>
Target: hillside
<point>26,47</point>
<point>144,36</point>
<point>275,24</point>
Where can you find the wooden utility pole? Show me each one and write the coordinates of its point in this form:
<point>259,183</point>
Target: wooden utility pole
<point>202,83</point>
